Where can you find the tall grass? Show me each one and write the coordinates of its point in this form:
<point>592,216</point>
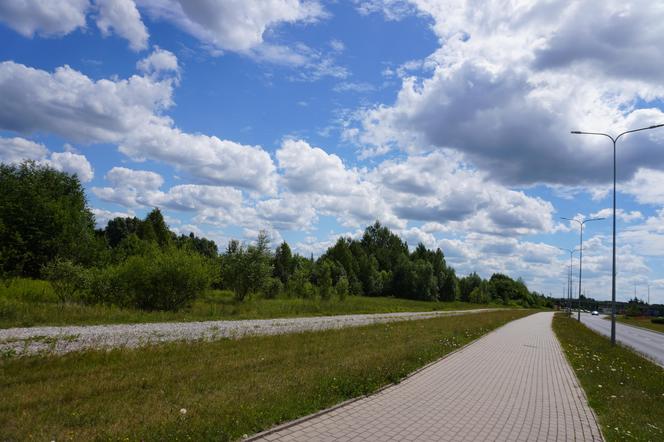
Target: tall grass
<point>27,303</point>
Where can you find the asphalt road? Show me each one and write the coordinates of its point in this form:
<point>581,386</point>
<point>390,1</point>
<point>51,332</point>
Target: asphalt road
<point>648,343</point>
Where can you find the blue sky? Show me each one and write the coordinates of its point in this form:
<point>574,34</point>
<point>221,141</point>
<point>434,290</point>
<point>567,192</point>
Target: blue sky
<point>309,119</point>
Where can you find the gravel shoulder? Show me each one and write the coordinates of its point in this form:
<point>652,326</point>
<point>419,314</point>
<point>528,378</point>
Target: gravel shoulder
<point>61,340</point>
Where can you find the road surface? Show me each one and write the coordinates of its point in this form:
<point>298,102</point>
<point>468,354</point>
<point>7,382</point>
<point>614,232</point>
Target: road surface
<point>513,384</point>
<point>648,343</point>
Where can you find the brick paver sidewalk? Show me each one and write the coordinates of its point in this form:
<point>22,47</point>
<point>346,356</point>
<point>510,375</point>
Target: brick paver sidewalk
<point>514,384</point>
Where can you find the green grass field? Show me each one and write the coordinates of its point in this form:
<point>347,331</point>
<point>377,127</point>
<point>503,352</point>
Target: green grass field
<point>625,390</point>
<point>26,303</point>
<point>228,388</point>
<point>641,321</point>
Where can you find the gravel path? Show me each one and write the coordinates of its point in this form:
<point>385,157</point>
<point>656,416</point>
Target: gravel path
<point>60,340</point>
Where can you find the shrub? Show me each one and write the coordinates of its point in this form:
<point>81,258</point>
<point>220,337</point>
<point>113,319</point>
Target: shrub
<point>163,280</point>
<point>107,287</point>
<point>27,290</point>
<point>659,320</point>
<point>307,291</point>
<point>67,279</point>
<point>325,281</point>
<point>342,288</point>
<point>273,288</point>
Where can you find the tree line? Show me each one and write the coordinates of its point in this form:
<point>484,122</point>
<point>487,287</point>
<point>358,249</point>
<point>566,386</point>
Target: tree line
<point>47,231</point>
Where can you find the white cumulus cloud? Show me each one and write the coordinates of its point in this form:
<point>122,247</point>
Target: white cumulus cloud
<point>122,17</point>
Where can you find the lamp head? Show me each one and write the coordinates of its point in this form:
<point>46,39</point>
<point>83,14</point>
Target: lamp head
<point>576,132</point>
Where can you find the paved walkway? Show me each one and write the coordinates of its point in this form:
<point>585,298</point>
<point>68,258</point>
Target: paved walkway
<point>59,340</point>
<point>649,343</point>
<point>512,385</point>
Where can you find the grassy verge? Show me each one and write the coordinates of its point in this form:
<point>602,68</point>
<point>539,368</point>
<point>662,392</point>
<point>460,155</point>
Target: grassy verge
<point>625,390</point>
<point>27,303</point>
<point>228,388</point>
<point>641,321</point>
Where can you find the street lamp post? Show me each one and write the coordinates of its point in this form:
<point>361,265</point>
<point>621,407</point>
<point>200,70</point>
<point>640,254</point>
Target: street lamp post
<point>581,223</point>
<point>569,294</point>
<point>613,272</point>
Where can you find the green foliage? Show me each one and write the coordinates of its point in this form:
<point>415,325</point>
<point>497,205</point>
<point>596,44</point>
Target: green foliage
<point>634,307</point>
<point>132,245</point>
<point>377,265</point>
<point>467,285</point>
<point>283,263</point>
<point>504,288</point>
<point>67,279</point>
<point>28,290</point>
<point>247,270</point>
<point>659,320</point>
<point>273,288</point>
<point>155,226</point>
<point>481,294</point>
<point>342,288</point>
<point>325,280</point>
<point>45,224</point>
<point>43,215</point>
<point>202,246</point>
<point>300,284</point>
<point>29,302</point>
<point>118,229</point>
<point>385,246</point>
<point>163,280</point>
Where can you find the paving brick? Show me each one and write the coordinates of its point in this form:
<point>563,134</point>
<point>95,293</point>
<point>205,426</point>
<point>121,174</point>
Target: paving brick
<point>513,384</point>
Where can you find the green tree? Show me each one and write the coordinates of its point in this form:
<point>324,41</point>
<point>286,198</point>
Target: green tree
<point>43,215</point>
<point>283,262</point>
<point>247,270</point>
<point>342,288</point>
<point>202,246</point>
<point>154,229</point>
<point>385,246</point>
<point>480,294</point>
<point>449,286</point>
<point>342,254</point>
<point>119,228</point>
<point>233,270</point>
<point>67,279</point>
<point>325,280</point>
<point>504,287</point>
<point>467,284</point>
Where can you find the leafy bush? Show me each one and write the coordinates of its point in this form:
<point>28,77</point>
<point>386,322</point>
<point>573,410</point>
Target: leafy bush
<point>478,296</point>
<point>163,280</point>
<point>107,287</point>
<point>67,279</point>
<point>27,290</point>
<point>659,320</point>
<point>273,288</point>
<point>342,288</point>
